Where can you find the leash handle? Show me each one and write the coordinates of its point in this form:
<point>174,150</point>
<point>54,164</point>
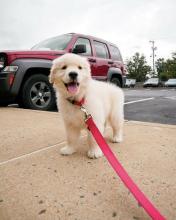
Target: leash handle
<point>130,184</point>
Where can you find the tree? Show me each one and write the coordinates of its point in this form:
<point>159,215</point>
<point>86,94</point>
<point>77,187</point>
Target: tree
<point>166,68</point>
<point>138,68</point>
<point>171,66</point>
<point>161,66</point>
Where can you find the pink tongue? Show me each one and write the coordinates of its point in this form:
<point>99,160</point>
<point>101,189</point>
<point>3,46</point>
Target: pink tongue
<point>72,87</point>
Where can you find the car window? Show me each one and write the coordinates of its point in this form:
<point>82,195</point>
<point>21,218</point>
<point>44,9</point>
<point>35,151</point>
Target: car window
<point>115,53</point>
<point>85,42</point>
<point>153,80</point>
<point>101,49</point>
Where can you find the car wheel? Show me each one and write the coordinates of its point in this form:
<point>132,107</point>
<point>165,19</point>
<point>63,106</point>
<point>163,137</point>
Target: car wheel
<point>116,81</point>
<point>38,94</point>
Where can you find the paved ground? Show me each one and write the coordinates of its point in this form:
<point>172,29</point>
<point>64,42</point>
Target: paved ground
<point>38,183</point>
<point>151,105</point>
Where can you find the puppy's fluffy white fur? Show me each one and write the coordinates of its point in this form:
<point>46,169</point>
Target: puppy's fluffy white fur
<point>103,101</point>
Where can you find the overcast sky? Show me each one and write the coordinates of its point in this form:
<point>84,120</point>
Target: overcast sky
<point>128,23</point>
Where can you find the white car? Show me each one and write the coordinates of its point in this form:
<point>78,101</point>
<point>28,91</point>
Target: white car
<point>152,82</point>
<point>170,82</point>
<point>130,83</point>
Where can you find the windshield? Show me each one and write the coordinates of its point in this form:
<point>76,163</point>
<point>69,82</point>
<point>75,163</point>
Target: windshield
<point>172,80</point>
<point>55,43</point>
<point>152,80</point>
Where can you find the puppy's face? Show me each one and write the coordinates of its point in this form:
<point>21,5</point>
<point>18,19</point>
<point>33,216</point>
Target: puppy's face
<point>70,73</point>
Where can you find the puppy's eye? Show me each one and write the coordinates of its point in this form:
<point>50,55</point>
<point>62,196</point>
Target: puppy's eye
<point>64,67</point>
<point>80,67</point>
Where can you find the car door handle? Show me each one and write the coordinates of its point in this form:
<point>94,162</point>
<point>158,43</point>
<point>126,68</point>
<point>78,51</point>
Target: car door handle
<point>92,60</point>
<point>110,62</point>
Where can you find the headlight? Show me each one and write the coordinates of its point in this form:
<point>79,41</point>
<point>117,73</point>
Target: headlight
<point>10,69</point>
<point>2,62</point>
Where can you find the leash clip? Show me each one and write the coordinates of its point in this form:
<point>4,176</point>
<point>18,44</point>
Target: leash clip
<point>86,113</point>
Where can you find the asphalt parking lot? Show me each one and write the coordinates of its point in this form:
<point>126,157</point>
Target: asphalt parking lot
<point>151,105</point>
<point>156,105</point>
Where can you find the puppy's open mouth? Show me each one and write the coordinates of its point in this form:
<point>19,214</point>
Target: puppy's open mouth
<point>72,87</point>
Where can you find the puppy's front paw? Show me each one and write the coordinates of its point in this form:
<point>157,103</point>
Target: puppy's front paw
<point>95,153</point>
<point>67,150</point>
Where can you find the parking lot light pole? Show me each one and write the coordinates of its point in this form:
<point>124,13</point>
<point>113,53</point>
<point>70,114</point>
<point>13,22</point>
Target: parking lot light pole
<point>153,54</point>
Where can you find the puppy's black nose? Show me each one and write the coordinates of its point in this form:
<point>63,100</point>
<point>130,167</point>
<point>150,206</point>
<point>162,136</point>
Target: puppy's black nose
<point>73,75</point>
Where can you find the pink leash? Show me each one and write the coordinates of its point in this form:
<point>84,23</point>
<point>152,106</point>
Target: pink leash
<point>137,193</point>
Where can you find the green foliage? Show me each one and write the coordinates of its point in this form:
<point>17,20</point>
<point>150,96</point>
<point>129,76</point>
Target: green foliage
<point>163,76</point>
<point>166,68</point>
<point>138,68</point>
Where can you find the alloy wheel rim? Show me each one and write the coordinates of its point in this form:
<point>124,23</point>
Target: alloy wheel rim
<point>40,94</point>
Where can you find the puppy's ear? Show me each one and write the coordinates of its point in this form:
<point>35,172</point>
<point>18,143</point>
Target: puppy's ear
<point>52,74</point>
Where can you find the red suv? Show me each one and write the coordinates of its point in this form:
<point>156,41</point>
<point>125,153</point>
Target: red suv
<point>24,74</point>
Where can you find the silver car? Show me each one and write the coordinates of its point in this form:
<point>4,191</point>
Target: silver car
<point>170,82</point>
<point>152,82</point>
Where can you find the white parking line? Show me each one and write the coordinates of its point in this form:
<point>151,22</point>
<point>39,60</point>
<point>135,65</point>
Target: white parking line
<point>34,152</point>
<point>171,97</point>
<point>140,100</point>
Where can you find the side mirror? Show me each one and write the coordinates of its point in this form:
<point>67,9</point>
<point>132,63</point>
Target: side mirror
<point>79,48</point>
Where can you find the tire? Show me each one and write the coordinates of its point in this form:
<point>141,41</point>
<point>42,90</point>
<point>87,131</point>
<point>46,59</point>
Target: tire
<point>116,82</point>
<point>38,93</point>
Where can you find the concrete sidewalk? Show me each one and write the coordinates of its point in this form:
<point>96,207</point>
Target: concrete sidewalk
<point>38,183</point>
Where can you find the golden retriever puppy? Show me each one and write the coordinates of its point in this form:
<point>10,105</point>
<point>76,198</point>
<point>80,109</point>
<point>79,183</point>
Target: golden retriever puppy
<point>72,81</point>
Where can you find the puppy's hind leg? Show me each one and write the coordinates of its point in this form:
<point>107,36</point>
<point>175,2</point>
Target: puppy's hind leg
<point>72,140</point>
<point>117,127</point>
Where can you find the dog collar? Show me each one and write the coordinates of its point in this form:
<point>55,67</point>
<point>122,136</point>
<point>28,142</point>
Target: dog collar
<point>78,103</point>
